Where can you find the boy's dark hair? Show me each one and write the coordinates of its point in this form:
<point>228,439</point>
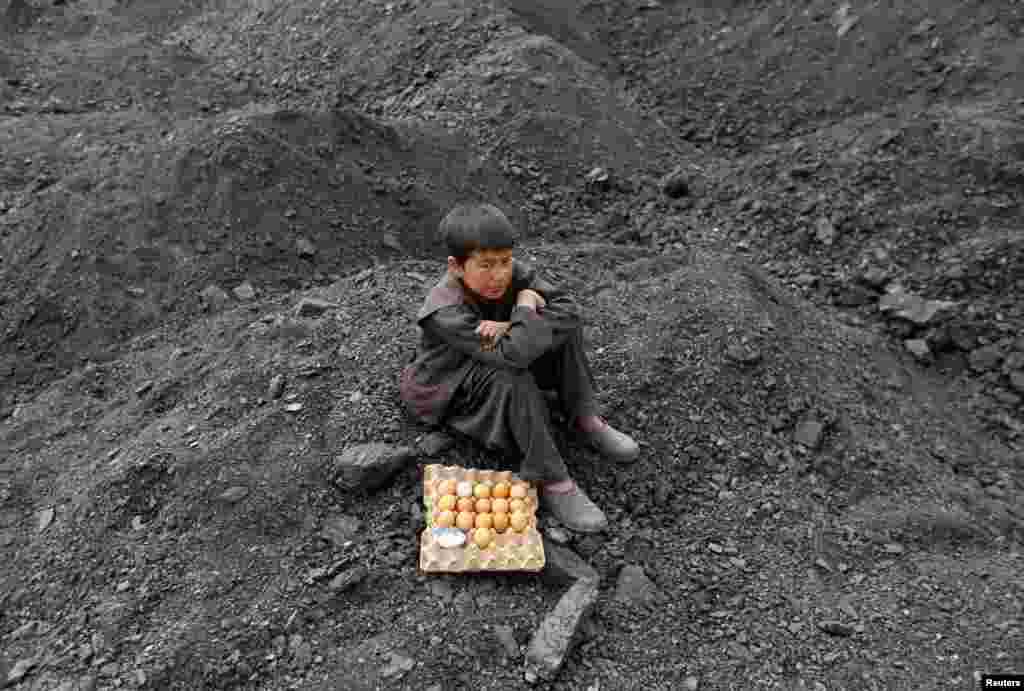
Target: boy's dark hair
<point>471,227</point>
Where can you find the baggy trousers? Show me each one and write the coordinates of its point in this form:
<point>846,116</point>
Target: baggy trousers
<point>506,409</point>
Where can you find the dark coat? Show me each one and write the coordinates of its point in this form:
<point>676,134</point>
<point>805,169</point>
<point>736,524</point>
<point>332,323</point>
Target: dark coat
<point>449,343</point>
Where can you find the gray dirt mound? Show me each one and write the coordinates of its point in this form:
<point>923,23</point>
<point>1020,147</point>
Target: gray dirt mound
<point>212,493</point>
<point>741,76</point>
<point>109,245</point>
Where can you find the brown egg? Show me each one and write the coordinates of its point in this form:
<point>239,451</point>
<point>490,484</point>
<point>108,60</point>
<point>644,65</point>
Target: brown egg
<point>465,520</point>
<point>483,506</point>
<point>445,519</point>
<point>446,503</point>
<point>465,504</point>
<point>517,506</point>
<point>519,521</point>
<point>500,521</point>
<point>484,520</point>
<point>499,505</point>
<point>500,490</point>
<point>482,491</point>
<point>483,537</point>
<point>446,487</point>
<point>518,491</point>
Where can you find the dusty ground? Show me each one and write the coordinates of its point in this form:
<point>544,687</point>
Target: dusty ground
<point>770,171</point>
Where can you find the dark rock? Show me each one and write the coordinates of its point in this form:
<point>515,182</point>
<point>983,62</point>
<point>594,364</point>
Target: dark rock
<point>563,567</point>
<point>348,579</point>
<point>368,466</point>
<point>506,637</point>
<point>304,248</point>
<point>276,387</point>
<point>1017,381</point>
<point>435,443</point>
<point>313,307</point>
<point>675,185</point>
<point>235,494</point>
<point>214,297</point>
<point>964,336</point>
<point>634,587</point>
<point>915,309</point>
<point>918,347</point>
<point>985,358</point>
<point>244,291</point>
<point>341,529</point>
<point>874,276</point>
<point>808,433</point>
<point>853,295</point>
<point>835,628</point>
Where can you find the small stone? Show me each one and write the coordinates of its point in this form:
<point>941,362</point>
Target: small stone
<point>506,637</point>
<point>808,433</point>
<point>691,684</point>
<point>235,494</point>
<point>44,518</point>
<point>390,241</point>
<point>835,628</point>
<point>894,548</point>
<point>902,305</point>
<point>597,177</point>
<point>293,407</point>
<point>557,535</point>
<point>276,387</point>
<point>340,529</point>
<point>304,248</point>
<point>1017,380</point>
<point>634,587</point>
<point>875,276</point>
<point>985,358</point>
<point>853,295</point>
<point>143,388</point>
<point>436,443</point>
<point>347,580</point>
<point>214,297</point>
<point>918,347</point>
<point>313,307</point>
<point>674,185</point>
<point>244,291</point>
<point>825,231</point>
<point>303,655</point>
<point>442,590</point>
<point>368,466</point>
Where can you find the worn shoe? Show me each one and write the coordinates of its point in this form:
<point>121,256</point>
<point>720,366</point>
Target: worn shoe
<point>611,443</point>
<point>575,510</point>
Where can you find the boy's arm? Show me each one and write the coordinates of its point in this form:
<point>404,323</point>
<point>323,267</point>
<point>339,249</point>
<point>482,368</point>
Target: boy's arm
<point>529,336</point>
<point>560,308</point>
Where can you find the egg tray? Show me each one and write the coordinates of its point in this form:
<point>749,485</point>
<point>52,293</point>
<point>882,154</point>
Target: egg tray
<point>510,551</point>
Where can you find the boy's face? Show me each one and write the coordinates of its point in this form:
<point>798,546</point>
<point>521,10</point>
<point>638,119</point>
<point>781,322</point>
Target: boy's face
<point>486,272</point>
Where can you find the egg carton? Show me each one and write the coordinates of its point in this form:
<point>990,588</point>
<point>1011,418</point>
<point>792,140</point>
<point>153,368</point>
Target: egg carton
<point>509,551</point>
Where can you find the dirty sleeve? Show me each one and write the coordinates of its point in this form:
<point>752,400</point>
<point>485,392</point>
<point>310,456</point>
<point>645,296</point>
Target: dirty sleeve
<point>530,335</point>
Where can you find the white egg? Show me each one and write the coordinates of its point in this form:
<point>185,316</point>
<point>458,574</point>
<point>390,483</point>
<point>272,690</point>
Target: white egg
<point>464,489</point>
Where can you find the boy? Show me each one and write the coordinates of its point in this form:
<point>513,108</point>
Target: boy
<point>494,334</point>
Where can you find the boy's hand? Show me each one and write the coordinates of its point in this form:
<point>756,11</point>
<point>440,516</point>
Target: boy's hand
<point>491,332</point>
<point>531,298</point>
